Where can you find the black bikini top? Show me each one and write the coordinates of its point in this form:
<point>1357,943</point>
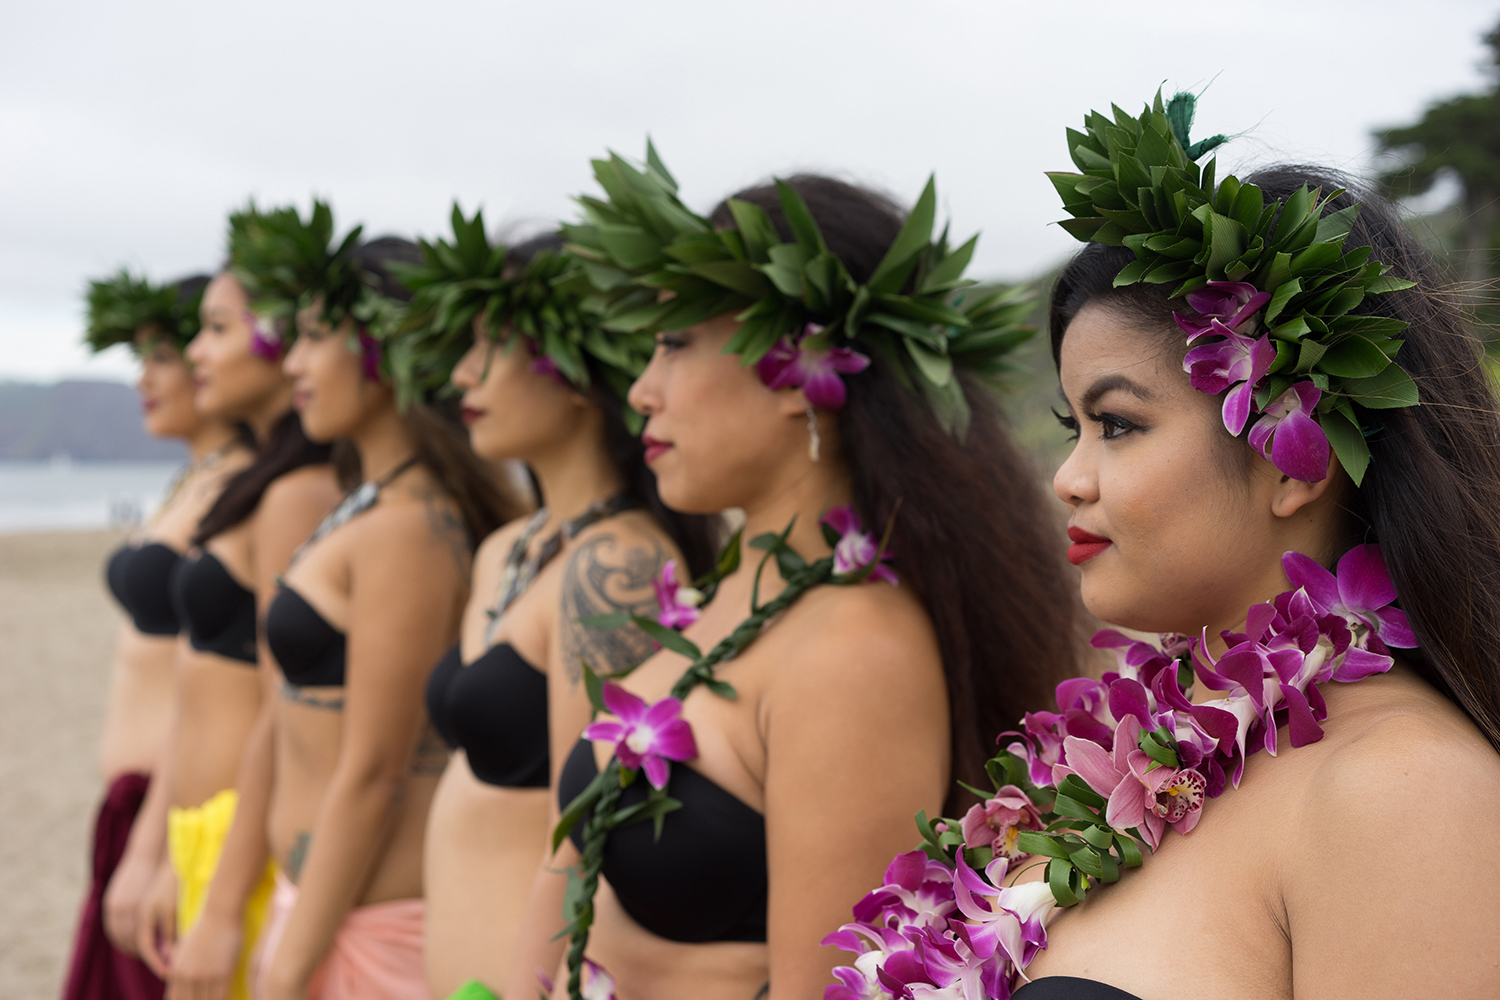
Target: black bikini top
<point>715,839</point>
<point>218,613</point>
<point>1069,988</point>
<point>496,710</point>
<point>311,652</point>
<point>140,577</point>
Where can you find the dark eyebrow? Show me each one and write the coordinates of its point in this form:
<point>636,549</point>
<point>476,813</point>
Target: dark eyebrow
<point>1110,383</point>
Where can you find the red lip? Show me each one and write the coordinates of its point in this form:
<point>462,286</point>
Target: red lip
<point>654,449</point>
<point>470,415</point>
<point>300,399</point>
<point>147,405</point>
<point>1085,545</point>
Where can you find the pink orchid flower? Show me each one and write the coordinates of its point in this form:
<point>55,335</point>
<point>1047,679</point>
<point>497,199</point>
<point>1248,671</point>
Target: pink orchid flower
<point>1133,783</point>
<point>266,340</point>
<point>369,355</point>
<point>1289,437</point>
<point>678,604</point>
<point>788,365</point>
<point>646,737</point>
<point>1010,919</point>
<point>998,822</point>
<point>856,547</point>
<point>1230,303</point>
<point>1361,592</point>
<point>1236,363</point>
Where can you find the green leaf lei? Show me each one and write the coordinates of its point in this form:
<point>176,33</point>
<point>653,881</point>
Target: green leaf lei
<point>286,264</point>
<point>911,315</point>
<point>597,805</point>
<point>120,306</point>
<point>468,279</point>
<point>1139,186</point>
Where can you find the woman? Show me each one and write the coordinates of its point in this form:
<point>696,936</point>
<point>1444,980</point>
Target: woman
<point>242,546</point>
<point>369,604</point>
<point>861,701</point>
<point>1191,503</point>
<point>157,321</point>
<point>539,386</point>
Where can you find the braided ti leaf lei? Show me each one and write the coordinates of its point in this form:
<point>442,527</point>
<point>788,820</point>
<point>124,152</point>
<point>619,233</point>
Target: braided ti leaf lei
<point>1081,791</point>
<point>648,737</point>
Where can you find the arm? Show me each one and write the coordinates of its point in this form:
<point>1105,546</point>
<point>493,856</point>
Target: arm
<point>205,960</point>
<point>404,594</point>
<point>1392,890</point>
<point>856,733</point>
<point>125,900</point>
<point>605,573</point>
<point>156,928</point>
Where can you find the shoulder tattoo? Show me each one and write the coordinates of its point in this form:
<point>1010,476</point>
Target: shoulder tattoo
<point>431,753</point>
<point>447,528</point>
<point>604,577</point>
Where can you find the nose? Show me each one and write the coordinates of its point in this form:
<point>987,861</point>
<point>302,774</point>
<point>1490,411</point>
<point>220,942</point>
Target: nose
<point>645,392</point>
<point>292,363</point>
<point>466,373</point>
<point>192,351</point>
<point>1076,480</point>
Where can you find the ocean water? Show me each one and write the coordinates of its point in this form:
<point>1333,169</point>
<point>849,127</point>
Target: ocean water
<point>64,495</point>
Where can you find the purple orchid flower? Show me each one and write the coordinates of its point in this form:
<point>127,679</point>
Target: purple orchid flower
<point>856,548</point>
<point>1289,437</point>
<point>997,822</point>
<point>1361,593</point>
<point>1236,361</point>
<point>1011,919</point>
<point>369,355</point>
<point>678,604</point>
<point>1230,303</point>
<point>788,365</point>
<point>646,736</point>
<point>266,339</point>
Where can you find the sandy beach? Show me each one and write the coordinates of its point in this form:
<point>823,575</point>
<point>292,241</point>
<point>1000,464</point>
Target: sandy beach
<point>57,625</point>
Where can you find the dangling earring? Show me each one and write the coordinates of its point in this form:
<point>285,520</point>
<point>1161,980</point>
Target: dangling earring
<point>812,434</point>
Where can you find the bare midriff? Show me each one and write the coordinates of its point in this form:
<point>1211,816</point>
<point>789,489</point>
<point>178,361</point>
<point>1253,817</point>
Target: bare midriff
<point>140,703</point>
<point>220,699</point>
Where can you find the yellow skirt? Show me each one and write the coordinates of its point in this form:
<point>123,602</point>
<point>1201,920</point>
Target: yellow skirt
<point>195,839</point>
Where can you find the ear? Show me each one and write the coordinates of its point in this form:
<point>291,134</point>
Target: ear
<point>791,402</point>
<point>1292,495</point>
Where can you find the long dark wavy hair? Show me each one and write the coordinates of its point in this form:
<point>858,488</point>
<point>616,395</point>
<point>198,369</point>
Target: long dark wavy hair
<point>1431,496</point>
<point>697,537</point>
<point>285,449</point>
<point>484,498</point>
<point>974,537</point>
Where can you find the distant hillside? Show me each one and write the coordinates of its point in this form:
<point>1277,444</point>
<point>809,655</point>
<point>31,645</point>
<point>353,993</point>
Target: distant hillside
<point>87,421</point>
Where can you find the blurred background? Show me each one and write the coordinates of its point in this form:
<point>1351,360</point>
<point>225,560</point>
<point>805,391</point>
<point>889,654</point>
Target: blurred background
<point>129,131</point>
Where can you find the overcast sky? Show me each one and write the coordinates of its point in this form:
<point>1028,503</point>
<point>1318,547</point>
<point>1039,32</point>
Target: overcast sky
<point>129,130</point>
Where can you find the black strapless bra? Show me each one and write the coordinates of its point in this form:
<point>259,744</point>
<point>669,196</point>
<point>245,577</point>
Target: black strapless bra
<point>218,613</point>
<point>714,840</point>
<point>310,651</point>
<point>1069,988</point>
<point>140,577</point>
<point>496,710</point>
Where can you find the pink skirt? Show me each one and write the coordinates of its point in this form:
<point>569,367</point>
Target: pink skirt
<point>377,954</point>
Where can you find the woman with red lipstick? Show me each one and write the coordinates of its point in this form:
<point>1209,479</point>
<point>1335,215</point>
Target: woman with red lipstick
<point>239,549</point>
<point>841,709</point>
<point>542,386</point>
<point>1239,428</point>
<point>157,321</point>
<point>367,604</point>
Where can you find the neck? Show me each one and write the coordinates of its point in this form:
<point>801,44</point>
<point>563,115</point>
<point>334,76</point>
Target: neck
<point>811,489</point>
<point>269,412</point>
<point>575,474</point>
<point>383,443</point>
<point>210,437</point>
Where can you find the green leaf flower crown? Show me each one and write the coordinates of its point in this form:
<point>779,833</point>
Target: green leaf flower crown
<point>802,313</point>
<point>287,264</point>
<point>1268,283</point>
<point>468,279</point>
<point>120,306</point>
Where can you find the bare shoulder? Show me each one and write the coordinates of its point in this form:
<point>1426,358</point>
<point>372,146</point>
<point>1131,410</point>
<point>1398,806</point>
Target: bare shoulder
<point>311,488</point>
<point>609,568</point>
<point>871,630</point>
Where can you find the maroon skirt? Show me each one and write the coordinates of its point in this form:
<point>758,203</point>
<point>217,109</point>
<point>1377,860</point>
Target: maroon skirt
<point>100,971</point>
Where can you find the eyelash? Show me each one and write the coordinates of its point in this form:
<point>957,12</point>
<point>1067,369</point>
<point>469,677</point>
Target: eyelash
<point>1111,426</point>
<point>670,342</point>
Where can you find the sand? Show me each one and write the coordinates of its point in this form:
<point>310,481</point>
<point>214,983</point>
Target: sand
<point>57,625</point>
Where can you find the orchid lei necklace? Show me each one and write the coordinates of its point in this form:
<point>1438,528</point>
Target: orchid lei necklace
<point>1271,289</point>
<point>1084,789</point>
<point>648,737</point>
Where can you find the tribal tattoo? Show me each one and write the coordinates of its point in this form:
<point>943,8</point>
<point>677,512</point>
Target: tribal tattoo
<point>302,696</point>
<point>603,577</point>
<point>297,856</point>
<point>431,754</point>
